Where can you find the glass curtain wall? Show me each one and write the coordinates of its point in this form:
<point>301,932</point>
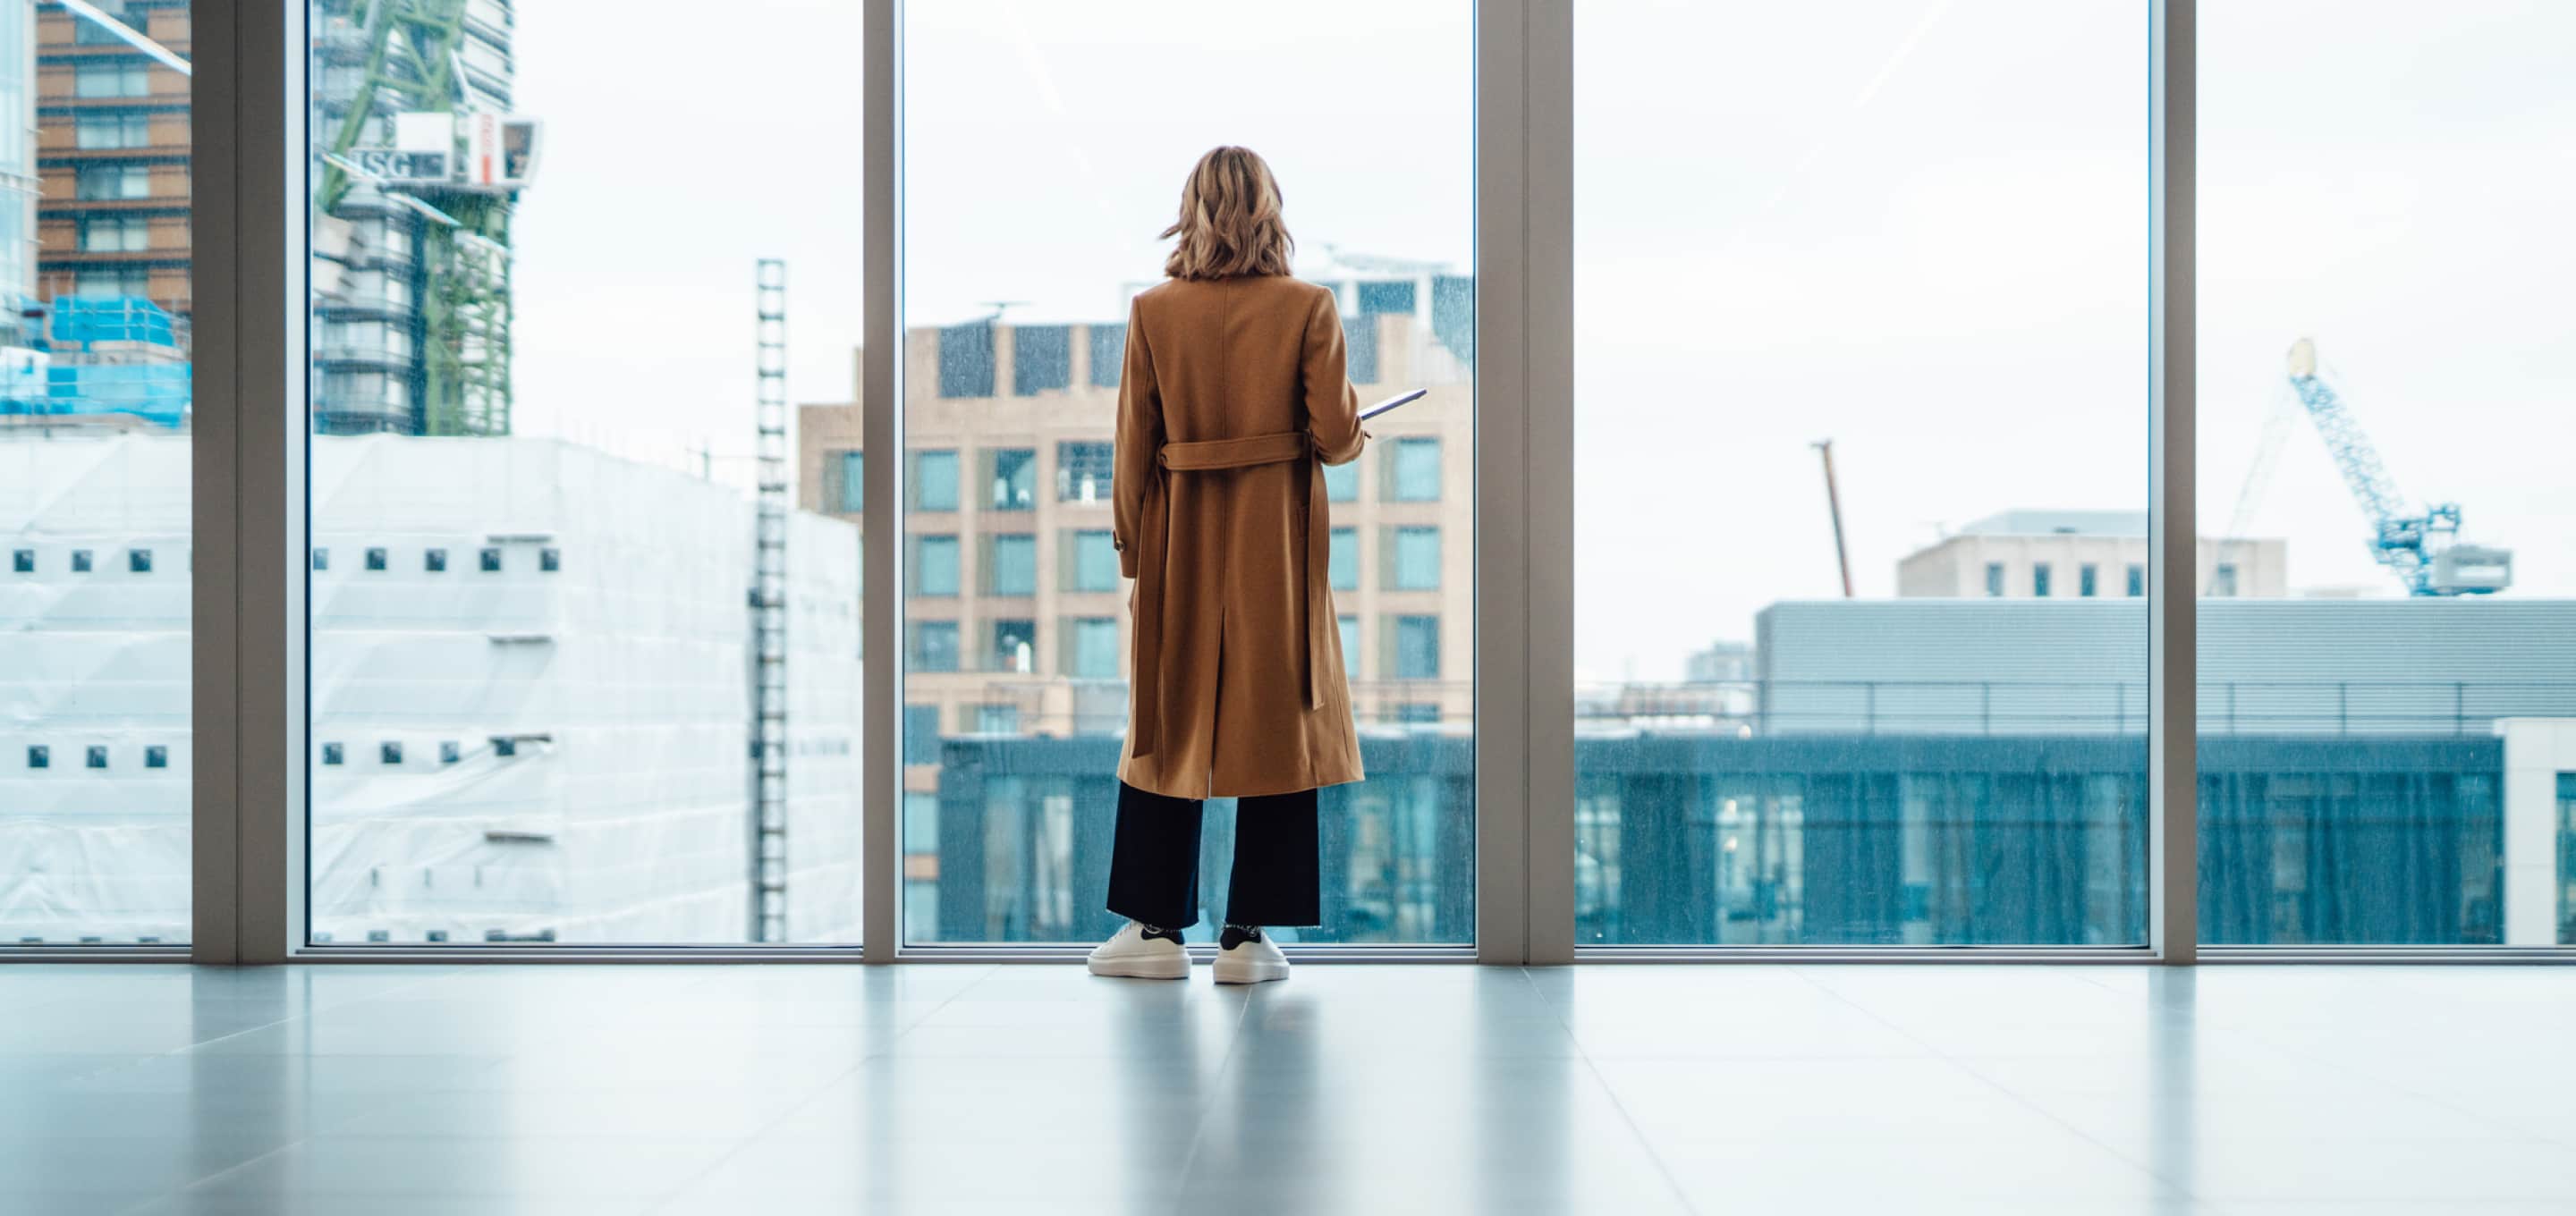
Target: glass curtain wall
<point>2388,633</point>
<point>95,475</point>
<point>584,589</point>
<point>1861,472</point>
<point>1045,147</point>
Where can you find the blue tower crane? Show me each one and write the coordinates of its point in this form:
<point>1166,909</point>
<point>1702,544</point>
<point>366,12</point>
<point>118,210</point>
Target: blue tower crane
<point>2422,550</point>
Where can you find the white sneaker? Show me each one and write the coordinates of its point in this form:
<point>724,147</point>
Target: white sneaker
<point>1253,960</point>
<point>1136,956</point>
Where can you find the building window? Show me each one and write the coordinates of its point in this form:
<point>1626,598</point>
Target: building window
<point>111,79</point>
<point>2039,579</point>
<point>997,719</point>
<point>389,753</point>
<point>1108,354</point>
<point>111,283</point>
<point>40,756</point>
<point>1014,647</point>
<point>449,752</point>
<point>1093,654</point>
<point>138,561</point>
<point>1360,348</point>
<point>489,560</point>
<point>1395,296</point>
<point>1082,470</point>
<point>1095,562</point>
<point>335,754</point>
<point>1417,647</point>
<point>1041,359</point>
<point>966,360</point>
<point>852,484</point>
<point>80,561</point>
<point>375,559</point>
<point>1342,481</point>
<point>2567,859</point>
<point>1346,559</point>
<point>1350,630</point>
<point>107,183</point>
<point>2137,580</point>
<point>1994,580</point>
<point>1453,314</point>
<point>933,565</point>
<point>1414,474</point>
<point>921,734</point>
<point>321,559</point>
<point>932,484</point>
<point>1011,564</point>
<point>97,756</point>
<point>2088,580</point>
<point>23,561</point>
<point>106,132</point>
<point>1013,475</point>
<point>1415,558</point>
<point>931,645</point>
<point>2223,581</point>
<point>156,756</point>
<point>549,560</point>
<point>434,561</point>
<point>115,234</point>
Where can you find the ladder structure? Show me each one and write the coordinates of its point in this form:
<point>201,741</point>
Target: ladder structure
<point>769,617</point>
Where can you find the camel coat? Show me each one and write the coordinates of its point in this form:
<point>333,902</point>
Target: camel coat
<point>1233,391</point>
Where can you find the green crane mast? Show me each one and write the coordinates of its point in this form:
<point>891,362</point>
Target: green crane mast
<point>407,56</point>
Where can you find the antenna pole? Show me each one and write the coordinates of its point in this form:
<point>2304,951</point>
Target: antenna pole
<point>1834,501</point>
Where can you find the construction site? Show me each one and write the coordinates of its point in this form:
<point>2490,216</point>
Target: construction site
<point>419,163</point>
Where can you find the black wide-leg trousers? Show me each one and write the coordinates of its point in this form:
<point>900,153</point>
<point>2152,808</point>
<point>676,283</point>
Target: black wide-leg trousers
<point>1278,859</point>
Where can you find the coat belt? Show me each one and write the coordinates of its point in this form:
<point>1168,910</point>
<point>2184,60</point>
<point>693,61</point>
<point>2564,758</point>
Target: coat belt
<point>1209,455</point>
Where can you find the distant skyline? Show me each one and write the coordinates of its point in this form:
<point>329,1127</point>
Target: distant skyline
<point>1917,227</point>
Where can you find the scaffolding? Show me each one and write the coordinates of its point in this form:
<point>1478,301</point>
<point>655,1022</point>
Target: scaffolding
<point>769,616</point>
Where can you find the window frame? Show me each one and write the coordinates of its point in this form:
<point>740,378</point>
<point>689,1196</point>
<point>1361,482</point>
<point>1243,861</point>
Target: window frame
<point>249,496</point>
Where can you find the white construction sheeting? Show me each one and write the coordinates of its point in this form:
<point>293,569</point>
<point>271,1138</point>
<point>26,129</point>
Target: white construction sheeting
<point>553,749</point>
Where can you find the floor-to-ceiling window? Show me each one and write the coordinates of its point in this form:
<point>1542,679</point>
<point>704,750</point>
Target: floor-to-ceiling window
<point>584,584</point>
<point>96,531</point>
<point>1861,303</point>
<point>1042,155</point>
<point>2388,687</point>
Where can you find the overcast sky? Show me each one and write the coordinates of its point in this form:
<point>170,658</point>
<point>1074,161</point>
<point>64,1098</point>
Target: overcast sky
<point>1916,226</point>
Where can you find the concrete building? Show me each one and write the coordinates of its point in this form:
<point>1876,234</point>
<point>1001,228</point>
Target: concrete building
<point>1015,614</point>
<point>2078,555</point>
<point>1016,617</point>
<point>2399,771</point>
<point>530,690</point>
<point>112,149</point>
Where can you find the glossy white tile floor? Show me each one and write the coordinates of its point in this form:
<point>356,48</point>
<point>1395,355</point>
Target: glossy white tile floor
<point>1350,1089</point>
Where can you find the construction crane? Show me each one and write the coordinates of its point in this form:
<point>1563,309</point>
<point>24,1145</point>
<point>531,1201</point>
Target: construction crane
<point>2422,550</point>
<point>411,128</point>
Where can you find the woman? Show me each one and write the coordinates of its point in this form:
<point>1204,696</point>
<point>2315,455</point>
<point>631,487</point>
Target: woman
<point>1233,390</point>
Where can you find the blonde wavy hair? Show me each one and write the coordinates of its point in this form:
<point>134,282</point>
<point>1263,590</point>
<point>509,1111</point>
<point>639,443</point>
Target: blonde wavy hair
<point>1230,222</point>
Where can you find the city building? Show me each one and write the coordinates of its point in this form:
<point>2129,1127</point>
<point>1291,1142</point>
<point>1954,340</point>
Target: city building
<point>112,137</point>
<point>1951,773</point>
<point>530,689</point>
<point>1015,614</point>
<point>421,164</point>
<point>20,187</point>
<point>2078,555</point>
